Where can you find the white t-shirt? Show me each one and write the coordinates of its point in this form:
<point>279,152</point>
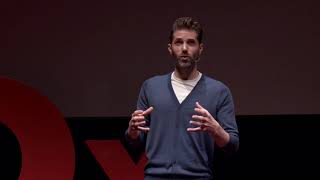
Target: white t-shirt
<point>182,88</point>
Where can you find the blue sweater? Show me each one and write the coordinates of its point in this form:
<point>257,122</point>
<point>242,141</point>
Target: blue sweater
<point>171,150</point>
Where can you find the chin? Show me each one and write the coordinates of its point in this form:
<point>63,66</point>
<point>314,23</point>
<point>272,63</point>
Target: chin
<point>184,64</point>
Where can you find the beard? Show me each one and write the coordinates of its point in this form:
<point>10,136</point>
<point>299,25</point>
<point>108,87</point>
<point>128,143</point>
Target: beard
<point>186,61</point>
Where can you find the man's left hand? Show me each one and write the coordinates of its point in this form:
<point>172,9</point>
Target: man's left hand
<point>203,120</point>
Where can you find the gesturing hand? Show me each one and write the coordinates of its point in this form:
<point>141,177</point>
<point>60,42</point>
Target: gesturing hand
<point>204,120</point>
<point>138,122</point>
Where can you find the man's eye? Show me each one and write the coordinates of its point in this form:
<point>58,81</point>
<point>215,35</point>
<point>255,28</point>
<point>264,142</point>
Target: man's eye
<point>178,42</point>
<point>191,42</point>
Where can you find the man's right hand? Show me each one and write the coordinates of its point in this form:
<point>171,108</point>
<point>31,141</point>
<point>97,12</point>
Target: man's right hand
<point>138,122</point>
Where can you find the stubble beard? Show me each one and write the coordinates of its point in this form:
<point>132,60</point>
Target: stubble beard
<point>186,63</point>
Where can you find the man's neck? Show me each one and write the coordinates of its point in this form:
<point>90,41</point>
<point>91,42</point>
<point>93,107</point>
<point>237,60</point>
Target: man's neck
<point>186,74</point>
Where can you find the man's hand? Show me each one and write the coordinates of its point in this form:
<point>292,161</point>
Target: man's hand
<point>138,122</point>
<point>206,122</point>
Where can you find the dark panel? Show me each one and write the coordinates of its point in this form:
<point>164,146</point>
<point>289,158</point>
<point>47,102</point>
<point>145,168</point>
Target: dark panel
<point>10,154</point>
<point>90,58</point>
<point>273,146</point>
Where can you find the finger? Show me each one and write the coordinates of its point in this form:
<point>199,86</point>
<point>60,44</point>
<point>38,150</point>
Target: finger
<point>148,111</point>
<point>144,129</point>
<point>198,105</point>
<point>199,118</point>
<point>202,109</point>
<point>137,112</point>
<point>137,119</point>
<point>194,129</point>
<point>196,123</point>
<point>202,112</point>
<point>139,123</point>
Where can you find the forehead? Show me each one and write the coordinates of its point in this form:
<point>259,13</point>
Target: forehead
<point>185,34</point>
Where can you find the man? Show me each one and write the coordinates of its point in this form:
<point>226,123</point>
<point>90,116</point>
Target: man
<point>183,115</point>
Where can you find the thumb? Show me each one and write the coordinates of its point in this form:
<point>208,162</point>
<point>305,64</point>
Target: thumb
<point>148,111</point>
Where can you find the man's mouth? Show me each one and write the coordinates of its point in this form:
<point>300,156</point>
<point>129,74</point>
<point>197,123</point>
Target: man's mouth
<point>184,57</point>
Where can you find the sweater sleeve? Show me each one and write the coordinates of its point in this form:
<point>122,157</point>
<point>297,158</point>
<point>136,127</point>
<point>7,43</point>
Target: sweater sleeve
<point>142,104</point>
<point>226,118</point>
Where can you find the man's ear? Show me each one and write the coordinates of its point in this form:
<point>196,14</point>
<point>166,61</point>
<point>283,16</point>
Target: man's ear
<point>170,48</point>
<point>201,46</point>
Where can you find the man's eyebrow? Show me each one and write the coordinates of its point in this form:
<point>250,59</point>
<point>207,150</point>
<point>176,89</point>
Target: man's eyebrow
<point>182,39</point>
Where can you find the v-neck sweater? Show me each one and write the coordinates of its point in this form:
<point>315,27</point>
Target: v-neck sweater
<point>182,87</point>
<point>172,150</point>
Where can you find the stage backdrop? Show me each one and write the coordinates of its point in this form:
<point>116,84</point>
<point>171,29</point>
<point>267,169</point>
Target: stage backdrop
<point>91,57</point>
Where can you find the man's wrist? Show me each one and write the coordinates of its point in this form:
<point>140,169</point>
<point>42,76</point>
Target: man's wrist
<point>133,136</point>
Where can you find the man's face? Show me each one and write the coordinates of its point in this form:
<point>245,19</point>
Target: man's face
<point>185,48</point>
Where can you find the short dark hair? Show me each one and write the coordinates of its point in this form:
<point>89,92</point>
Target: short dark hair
<point>188,23</point>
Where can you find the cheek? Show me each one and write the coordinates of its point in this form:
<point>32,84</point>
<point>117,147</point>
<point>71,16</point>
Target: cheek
<point>195,51</point>
<point>175,51</point>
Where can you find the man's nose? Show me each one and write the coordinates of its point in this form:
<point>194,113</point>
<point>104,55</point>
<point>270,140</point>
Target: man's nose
<point>184,47</point>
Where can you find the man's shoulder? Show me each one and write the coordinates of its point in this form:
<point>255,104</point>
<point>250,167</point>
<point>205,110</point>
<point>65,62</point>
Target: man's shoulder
<point>157,79</point>
<point>214,83</point>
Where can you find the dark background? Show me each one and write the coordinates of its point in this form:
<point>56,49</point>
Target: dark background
<point>90,57</point>
<point>271,147</point>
